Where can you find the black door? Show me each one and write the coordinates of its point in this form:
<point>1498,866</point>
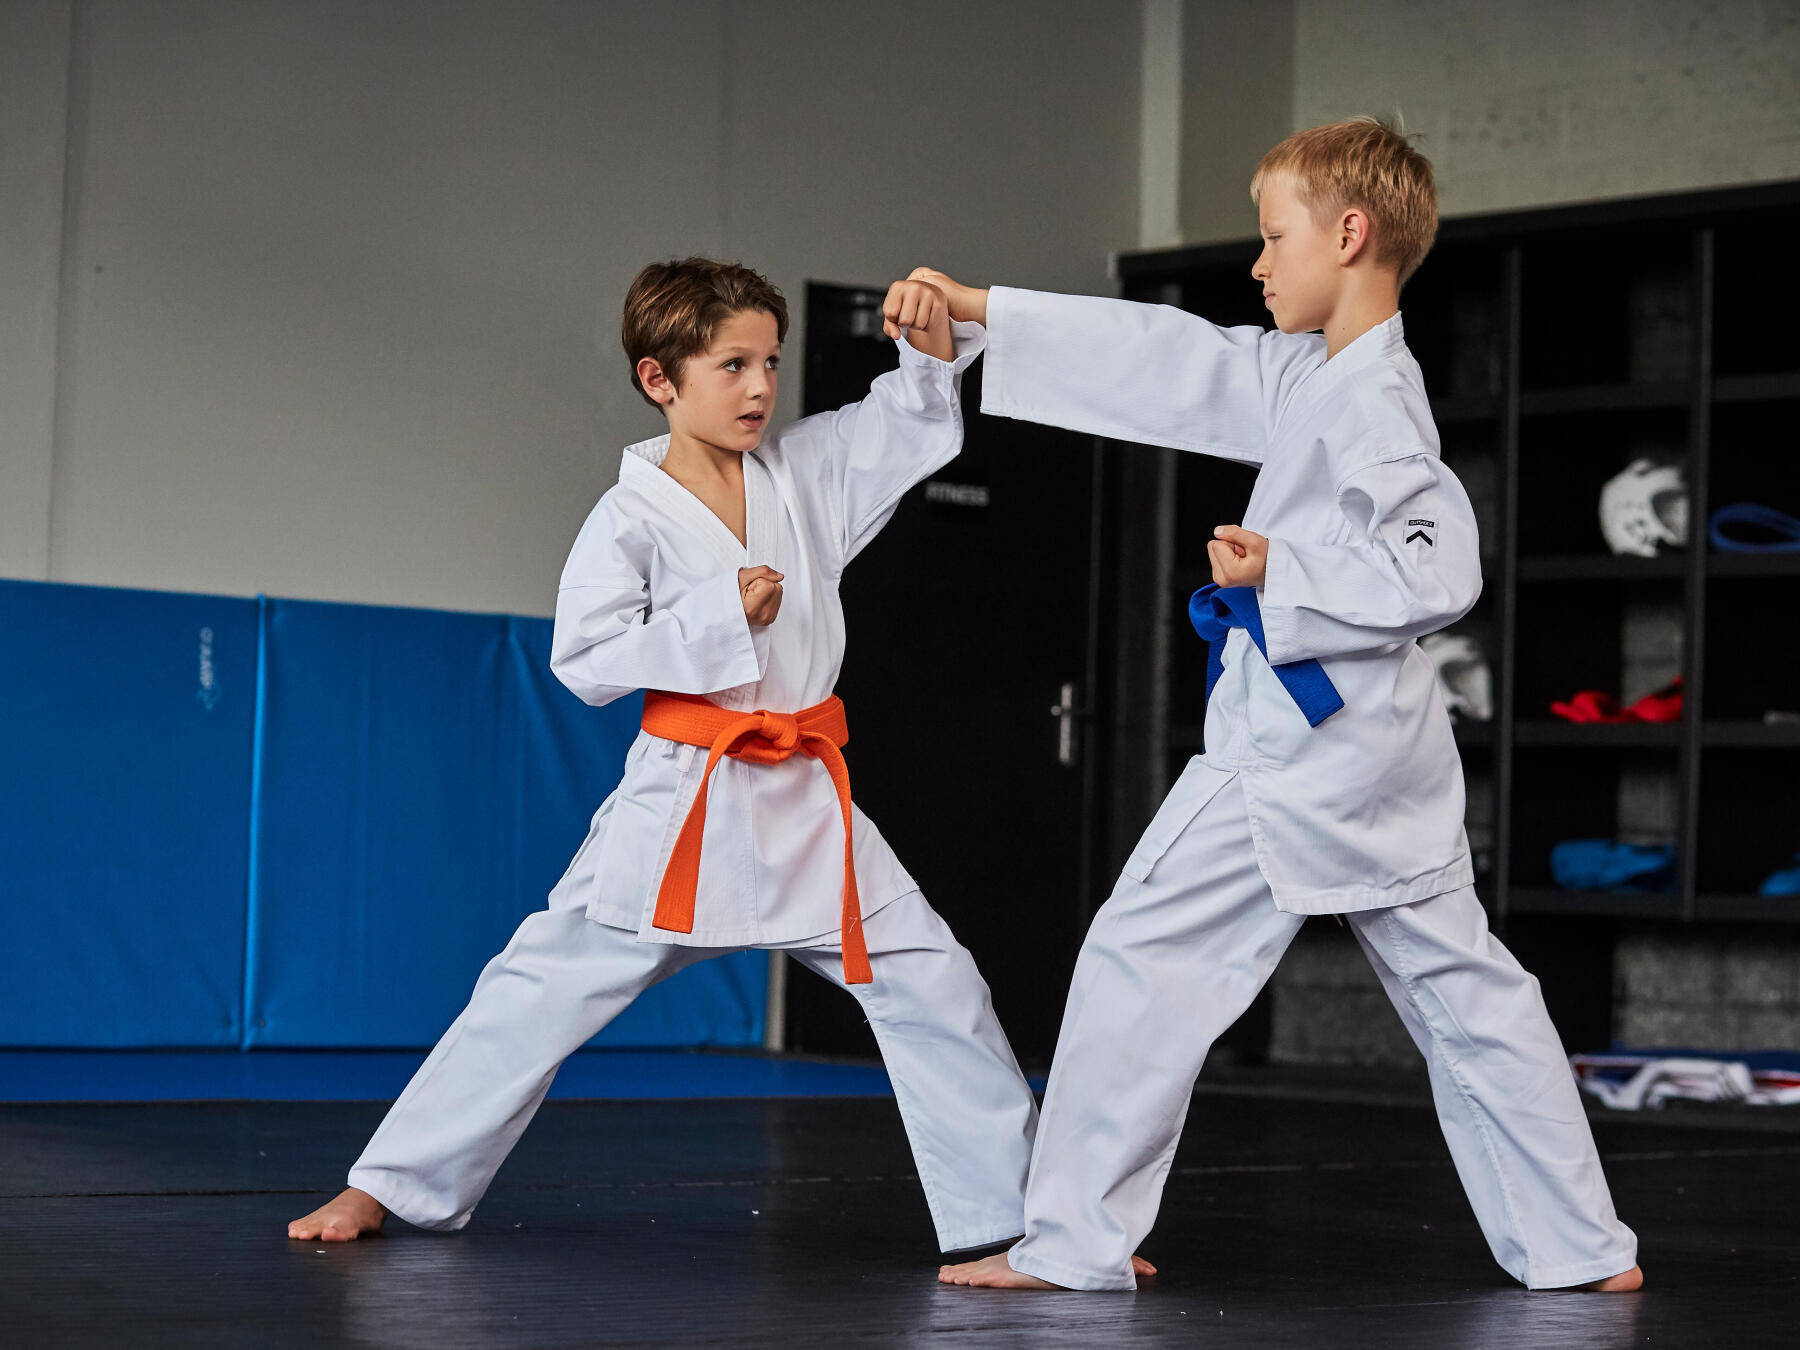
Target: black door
<point>969,626</point>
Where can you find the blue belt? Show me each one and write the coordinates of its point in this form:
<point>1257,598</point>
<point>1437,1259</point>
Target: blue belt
<point>1216,610</point>
<point>1765,519</point>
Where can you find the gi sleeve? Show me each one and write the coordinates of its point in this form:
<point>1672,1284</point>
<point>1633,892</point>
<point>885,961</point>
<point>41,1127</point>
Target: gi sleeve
<point>609,640</point>
<point>869,453</point>
<point>1411,565</point>
<point>1152,374</point>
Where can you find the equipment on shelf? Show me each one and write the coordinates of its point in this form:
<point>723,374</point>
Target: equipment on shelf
<point>1782,881</point>
<point>1769,530</point>
<point>1632,1082</point>
<point>1464,678</point>
<point>1596,705</point>
<point>1644,509</point>
<point>1608,865</point>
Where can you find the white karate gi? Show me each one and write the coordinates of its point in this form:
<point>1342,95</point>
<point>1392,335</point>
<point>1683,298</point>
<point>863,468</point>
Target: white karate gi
<point>1372,544</point>
<point>649,599</point>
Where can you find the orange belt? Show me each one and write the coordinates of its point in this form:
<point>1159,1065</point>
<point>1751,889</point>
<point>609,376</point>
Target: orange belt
<point>818,732</point>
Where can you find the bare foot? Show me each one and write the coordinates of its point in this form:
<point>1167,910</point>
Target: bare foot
<point>343,1220</point>
<point>995,1272</point>
<point>991,1272</point>
<point>1622,1283</point>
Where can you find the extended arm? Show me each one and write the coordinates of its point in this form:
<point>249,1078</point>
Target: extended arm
<point>1133,372</point>
<point>863,457</point>
<point>1412,566</point>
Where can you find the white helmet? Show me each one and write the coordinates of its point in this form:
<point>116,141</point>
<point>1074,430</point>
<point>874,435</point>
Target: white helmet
<point>1645,509</point>
<point>1463,675</point>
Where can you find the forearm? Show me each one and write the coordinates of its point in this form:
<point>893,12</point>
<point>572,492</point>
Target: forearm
<point>934,341</point>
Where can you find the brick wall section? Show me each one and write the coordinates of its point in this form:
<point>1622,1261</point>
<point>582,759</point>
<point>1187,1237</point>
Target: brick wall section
<point>1328,1007</point>
<point>1707,993</point>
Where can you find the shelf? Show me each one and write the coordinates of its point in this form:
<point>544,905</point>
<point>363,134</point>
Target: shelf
<point>1606,398</point>
<point>1602,567</point>
<point>1749,735</point>
<point>1475,733</point>
<point>1731,565</point>
<point>1595,904</point>
<point>1599,735</point>
<point>1756,388</point>
<point>1749,908</point>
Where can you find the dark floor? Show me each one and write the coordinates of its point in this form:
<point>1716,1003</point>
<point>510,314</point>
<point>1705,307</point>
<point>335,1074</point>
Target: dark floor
<point>789,1223</point>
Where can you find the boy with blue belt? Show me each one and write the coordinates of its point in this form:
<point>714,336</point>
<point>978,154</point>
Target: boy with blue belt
<point>1331,782</point>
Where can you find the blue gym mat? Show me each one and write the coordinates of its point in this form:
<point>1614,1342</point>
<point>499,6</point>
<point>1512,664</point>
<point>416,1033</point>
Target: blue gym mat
<point>379,1075</point>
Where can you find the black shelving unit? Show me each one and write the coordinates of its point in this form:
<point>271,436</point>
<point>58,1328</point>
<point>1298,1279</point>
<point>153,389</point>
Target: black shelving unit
<point>1558,346</point>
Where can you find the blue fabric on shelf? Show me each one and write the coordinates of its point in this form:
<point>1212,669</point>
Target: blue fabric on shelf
<point>1215,610</point>
<point>1782,881</point>
<point>124,801</point>
<point>1784,528</point>
<point>1607,865</point>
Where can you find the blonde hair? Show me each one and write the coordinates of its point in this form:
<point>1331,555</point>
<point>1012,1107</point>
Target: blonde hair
<point>673,309</point>
<point>1367,163</point>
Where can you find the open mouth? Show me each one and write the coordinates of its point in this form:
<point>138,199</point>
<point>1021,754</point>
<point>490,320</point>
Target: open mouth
<point>753,421</point>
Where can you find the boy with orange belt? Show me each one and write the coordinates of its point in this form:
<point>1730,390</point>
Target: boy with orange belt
<point>709,577</point>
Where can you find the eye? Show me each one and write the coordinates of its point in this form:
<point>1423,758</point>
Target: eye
<point>774,363</point>
<point>734,365</point>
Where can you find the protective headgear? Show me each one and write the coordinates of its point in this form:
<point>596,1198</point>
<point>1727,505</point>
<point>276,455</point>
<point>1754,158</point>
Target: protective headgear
<point>1463,675</point>
<point>1645,509</point>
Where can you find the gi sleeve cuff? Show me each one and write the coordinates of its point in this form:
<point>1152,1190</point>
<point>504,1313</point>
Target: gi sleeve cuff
<point>967,341</point>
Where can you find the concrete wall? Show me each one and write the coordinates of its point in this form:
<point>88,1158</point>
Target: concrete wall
<point>320,299</point>
<point>1523,104</point>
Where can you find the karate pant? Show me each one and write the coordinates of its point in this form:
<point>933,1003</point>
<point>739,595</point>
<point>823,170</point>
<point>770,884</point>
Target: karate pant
<point>1173,959</point>
<point>969,1113</point>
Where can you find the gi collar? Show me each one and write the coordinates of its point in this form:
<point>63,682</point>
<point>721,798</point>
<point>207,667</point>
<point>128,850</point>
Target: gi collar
<point>1379,344</point>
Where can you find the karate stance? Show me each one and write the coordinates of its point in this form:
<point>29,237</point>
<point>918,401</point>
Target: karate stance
<point>709,577</point>
<point>1331,782</point>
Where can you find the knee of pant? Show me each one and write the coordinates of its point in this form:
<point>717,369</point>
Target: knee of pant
<point>941,988</point>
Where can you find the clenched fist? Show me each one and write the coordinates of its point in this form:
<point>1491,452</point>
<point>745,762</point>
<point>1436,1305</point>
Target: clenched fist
<point>1239,557</point>
<point>760,589</point>
<point>968,304</point>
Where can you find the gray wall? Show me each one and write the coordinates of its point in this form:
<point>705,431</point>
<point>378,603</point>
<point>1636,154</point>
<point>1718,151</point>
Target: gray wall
<point>1534,102</point>
<point>320,299</point>
<point>1527,103</point>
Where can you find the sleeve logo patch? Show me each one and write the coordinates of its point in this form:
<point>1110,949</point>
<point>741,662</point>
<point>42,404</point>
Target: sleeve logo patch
<point>1420,535</point>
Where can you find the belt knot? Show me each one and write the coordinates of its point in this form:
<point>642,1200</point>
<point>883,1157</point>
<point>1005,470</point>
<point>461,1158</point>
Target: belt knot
<point>781,730</point>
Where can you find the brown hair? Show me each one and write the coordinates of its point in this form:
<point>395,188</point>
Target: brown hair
<point>1370,164</point>
<point>673,309</point>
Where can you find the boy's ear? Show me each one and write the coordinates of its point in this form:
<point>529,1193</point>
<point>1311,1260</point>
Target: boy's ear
<point>656,384</point>
<point>1353,236</point>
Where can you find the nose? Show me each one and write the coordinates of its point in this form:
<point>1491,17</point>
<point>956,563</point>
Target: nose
<point>1259,270</point>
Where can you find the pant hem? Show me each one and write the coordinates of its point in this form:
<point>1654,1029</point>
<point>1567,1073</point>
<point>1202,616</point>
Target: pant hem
<point>1565,1277</point>
<point>959,1243</point>
<point>1069,1277</point>
<point>395,1202</point>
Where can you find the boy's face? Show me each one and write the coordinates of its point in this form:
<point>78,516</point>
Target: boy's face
<point>1299,269</point>
<point>728,391</point>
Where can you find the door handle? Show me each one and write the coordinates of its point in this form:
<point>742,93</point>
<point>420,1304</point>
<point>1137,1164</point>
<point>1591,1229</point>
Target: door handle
<point>1065,712</point>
